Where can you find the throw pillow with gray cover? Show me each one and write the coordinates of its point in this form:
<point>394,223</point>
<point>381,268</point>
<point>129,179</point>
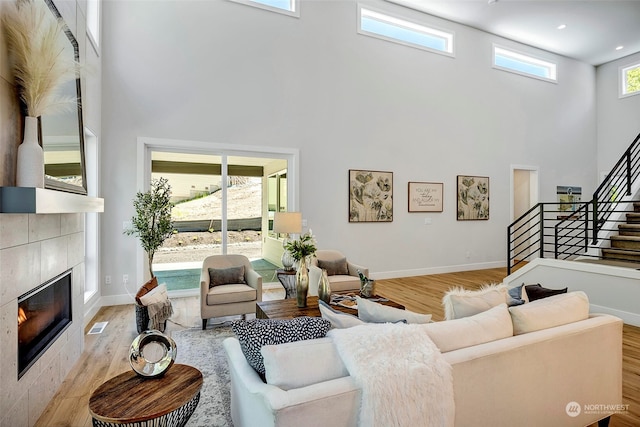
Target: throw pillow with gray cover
<point>226,276</point>
<point>515,296</point>
<point>336,267</point>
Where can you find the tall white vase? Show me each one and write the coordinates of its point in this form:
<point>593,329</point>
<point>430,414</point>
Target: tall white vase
<point>30,167</point>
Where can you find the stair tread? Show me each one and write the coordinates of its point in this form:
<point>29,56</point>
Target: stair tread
<point>635,226</point>
<point>620,251</point>
<point>627,238</point>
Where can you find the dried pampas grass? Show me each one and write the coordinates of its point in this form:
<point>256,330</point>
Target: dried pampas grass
<point>36,41</point>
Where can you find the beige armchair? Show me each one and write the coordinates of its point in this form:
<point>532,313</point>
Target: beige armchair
<point>228,295</point>
<point>334,261</point>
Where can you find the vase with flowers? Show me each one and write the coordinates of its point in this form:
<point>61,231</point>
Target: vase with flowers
<point>301,249</point>
<point>35,39</point>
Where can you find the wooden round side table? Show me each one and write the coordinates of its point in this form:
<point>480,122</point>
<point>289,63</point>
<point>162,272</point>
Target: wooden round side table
<point>129,399</point>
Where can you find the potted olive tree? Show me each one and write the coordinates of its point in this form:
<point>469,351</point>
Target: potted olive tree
<point>152,221</point>
<point>152,225</point>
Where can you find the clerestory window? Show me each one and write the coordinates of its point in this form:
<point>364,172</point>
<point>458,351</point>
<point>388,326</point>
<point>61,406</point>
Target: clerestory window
<point>523,64</point>
<point>286,7</point>
<point>398,30</point>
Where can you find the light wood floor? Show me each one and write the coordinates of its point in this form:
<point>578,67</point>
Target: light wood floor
<point>106,354</point>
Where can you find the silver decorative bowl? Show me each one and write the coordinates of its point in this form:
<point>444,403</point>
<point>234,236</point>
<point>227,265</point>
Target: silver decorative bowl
<point>152,353</point>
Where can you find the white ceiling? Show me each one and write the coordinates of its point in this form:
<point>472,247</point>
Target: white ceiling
<point>593,28</point>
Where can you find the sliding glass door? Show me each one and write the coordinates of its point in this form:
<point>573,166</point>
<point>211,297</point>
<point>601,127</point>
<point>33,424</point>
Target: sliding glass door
<point>220,205</point>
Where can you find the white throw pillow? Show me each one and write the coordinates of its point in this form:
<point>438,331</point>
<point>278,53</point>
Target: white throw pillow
<point>459,302</point>
<point>302,363</point>
<point>155,295</point>
<point>337,318</point>
<point>490,325</point>
<point>370,311</point>
<point>550,312</point>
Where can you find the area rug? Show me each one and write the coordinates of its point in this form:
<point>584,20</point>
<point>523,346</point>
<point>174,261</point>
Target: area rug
<point>203,350</point>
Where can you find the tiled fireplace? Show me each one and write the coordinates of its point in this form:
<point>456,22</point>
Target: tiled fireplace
<point>35,248</point>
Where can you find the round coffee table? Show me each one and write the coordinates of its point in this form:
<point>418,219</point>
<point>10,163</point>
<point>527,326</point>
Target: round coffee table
<point>131,400</point>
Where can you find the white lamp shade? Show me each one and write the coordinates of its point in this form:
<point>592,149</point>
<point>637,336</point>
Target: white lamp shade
<point>287,222</point>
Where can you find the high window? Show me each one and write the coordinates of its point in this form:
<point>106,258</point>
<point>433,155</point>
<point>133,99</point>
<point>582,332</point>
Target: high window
<point>287,7</point>
<point>386,27</point>
<point>630,80</point>
<point>523,64</point>
<point>93,22</point>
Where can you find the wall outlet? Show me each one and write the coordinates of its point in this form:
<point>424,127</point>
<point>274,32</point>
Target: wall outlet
<point>107,280</point>
<point>125,278</point>
<point>427,221</point>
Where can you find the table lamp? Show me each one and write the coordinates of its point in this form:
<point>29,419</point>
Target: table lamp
<point>287,223</point>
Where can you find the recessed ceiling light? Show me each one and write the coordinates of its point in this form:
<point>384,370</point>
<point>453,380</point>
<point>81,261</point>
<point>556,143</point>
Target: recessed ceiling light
<point>562,26</point>
<point>619,47</point>
<point>492,1</point>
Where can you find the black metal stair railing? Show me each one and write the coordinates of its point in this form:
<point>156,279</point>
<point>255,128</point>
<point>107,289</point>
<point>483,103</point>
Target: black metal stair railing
<point>618,182</point>
<point>556,230</point>
<point>548,230</point>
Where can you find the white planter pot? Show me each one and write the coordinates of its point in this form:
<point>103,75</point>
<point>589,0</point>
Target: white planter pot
<point>30,167</point>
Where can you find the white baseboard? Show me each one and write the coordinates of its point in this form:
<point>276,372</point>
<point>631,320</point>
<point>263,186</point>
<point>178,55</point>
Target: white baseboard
<point>90,311</point>
<point>436,270</point>
<point>628,318</point>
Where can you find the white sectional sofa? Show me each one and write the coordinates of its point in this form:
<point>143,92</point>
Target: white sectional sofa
<point>546,363</point>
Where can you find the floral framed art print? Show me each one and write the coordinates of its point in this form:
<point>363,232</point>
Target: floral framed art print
<point>370,196</point>
<point>473,198</point>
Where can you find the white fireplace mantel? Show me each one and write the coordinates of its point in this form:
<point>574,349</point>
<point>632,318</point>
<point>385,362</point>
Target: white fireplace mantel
<point>45,201</point>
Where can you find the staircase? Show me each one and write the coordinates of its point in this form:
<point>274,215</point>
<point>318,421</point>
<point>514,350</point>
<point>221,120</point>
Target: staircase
<point>626,245</point>
<point>609,222</point>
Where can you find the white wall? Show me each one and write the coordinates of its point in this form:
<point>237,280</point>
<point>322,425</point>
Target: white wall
<point>618,118</point>
<point>227,73</point>
<point>604,284</point>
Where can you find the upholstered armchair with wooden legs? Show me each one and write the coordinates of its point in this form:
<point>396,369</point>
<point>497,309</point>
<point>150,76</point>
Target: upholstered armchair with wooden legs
<point>228,286</point>
<point>342,274</point>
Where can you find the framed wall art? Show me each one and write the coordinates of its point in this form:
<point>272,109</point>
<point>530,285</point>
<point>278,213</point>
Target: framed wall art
<point>568,200</point>
<point>370,196</point>
<point>425,196</point>
<point>473,197</point>
<point>568,197</point>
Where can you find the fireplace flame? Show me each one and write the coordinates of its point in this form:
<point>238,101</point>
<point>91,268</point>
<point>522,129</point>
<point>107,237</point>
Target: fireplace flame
<point>22,317</point>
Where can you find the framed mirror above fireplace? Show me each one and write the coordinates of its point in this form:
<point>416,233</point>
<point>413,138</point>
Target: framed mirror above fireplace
<point>62,134</point>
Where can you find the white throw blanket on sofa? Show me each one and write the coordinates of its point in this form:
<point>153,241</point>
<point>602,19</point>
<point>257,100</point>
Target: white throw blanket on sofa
<point>404,378</point>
